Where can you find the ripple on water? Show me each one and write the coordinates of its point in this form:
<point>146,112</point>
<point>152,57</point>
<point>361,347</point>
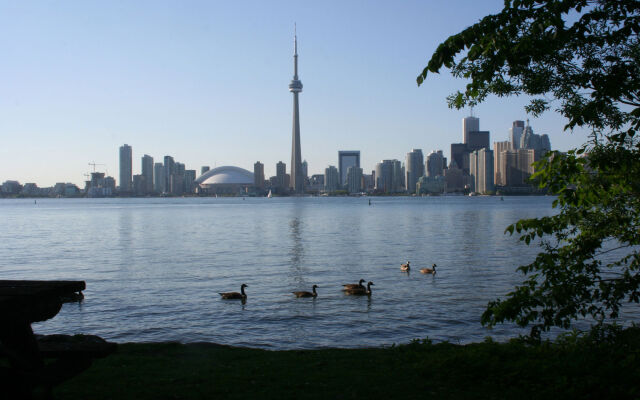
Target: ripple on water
<point>154,267</point>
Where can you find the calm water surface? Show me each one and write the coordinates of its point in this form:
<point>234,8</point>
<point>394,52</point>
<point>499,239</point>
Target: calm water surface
<point>154,267</point>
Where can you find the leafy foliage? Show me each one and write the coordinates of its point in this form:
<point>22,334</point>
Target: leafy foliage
<point>583,57</point>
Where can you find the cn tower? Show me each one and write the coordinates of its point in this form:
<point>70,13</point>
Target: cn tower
<point>295,87</point>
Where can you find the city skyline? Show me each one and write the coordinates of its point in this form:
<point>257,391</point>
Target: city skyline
<point>204,85</point>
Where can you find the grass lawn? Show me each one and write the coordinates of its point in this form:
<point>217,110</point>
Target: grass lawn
<point>576,368</point>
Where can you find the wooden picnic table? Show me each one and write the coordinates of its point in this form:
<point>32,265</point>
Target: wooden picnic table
<point>25,302</point>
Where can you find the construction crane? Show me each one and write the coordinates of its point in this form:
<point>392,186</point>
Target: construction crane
<point>94,165</point>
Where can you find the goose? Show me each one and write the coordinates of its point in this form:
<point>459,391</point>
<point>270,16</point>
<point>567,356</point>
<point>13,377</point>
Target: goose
<point>360,291</point>
<point>307,294</point>
<point>405,267</point>
<point>431,271</point>
<point>235,295</point>
<point>358,285</point>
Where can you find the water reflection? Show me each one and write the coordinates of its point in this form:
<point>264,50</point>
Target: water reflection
<point>296,248</point>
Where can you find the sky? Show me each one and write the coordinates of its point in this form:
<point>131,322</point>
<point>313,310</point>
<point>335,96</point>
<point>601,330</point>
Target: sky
<point>207,83</point>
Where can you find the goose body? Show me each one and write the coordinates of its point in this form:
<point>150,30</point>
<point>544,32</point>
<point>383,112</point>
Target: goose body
<point>358,285</point>
<point>431,270</point>
<point>360,291</point>
<point>235,295</point>
<point>405,267</point>
<point>313,293</point>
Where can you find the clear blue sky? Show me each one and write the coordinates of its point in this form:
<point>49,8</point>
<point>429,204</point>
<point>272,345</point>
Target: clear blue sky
<point>206,82</point>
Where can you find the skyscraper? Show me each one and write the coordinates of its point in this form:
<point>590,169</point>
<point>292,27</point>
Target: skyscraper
<point>126,169</point>
<point>414,169</point>
<point>481,171</point>
<point>281,175</point>
<point>354,179</point>
<point>469,124</point>
<point>258,175</point>
<point>159,183</point>
<point>147,172</point>
<point>331,179</point>
<point>498,172</point>
<point>435,164</point>
<point>295,87</point>
<point>347,159</point>
<point>515,133</point>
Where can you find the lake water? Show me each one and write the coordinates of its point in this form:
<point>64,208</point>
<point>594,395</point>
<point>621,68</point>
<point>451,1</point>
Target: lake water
<point>154,267</point>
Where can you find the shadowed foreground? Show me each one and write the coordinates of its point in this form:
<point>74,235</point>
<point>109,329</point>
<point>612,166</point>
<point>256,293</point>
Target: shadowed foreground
<point>607,367</point>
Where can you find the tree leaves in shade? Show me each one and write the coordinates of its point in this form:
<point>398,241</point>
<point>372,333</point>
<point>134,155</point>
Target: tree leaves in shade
<point>582,59</point>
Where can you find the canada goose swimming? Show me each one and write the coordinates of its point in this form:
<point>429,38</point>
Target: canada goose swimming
<point>235,295</point>
<point>358,285</point>
<point>431,271</point>
<point>360,291</point>
<point>307,294</point>
<point>405,267</point>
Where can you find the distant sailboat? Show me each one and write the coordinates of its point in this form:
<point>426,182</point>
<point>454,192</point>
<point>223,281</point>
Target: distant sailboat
<point>269,195</point>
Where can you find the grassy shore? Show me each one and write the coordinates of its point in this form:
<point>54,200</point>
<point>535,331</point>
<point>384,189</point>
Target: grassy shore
<point>583,368</point>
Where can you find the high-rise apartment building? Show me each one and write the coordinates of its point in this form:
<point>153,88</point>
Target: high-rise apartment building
<point>169,166</point>
<point>147,172</point>
<point>189,181</point>
<point>159,183</point>
<point>498,172</point>
<point>388,176</point>
<point>258,175</point>
<point>281,175</point>
<point>481,171</point>
<point>354,179</point>
<point>126,169</point>
<point>414,169</point>
<point>346,160</point>
<point>331,179</point>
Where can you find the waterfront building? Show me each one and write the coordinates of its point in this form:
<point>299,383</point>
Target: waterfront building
<point>147,172</point>
<point>331,179</point>
<point>498,172</point>
<point>126,167</point>
<point>389,176</point>
<point>227,180</point>
<point>431,184</point>
<point>258,175</point>
<point>159,183</point>
<point>189,181</point>
<point>354,179</point>
<point>455,179</point>
<point>435,163</point>
<point>139,185</point>
<point>481,171</point>
<point>414,169</point>
<point>515,133</point>
<point>305,170</point>
<point>346,160</point>
<point>169,166</point>
<point>460,155</point>
<point>281,174</point>
<point>316,183</point>
<point>295,87</point>
<point>11,187</point>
